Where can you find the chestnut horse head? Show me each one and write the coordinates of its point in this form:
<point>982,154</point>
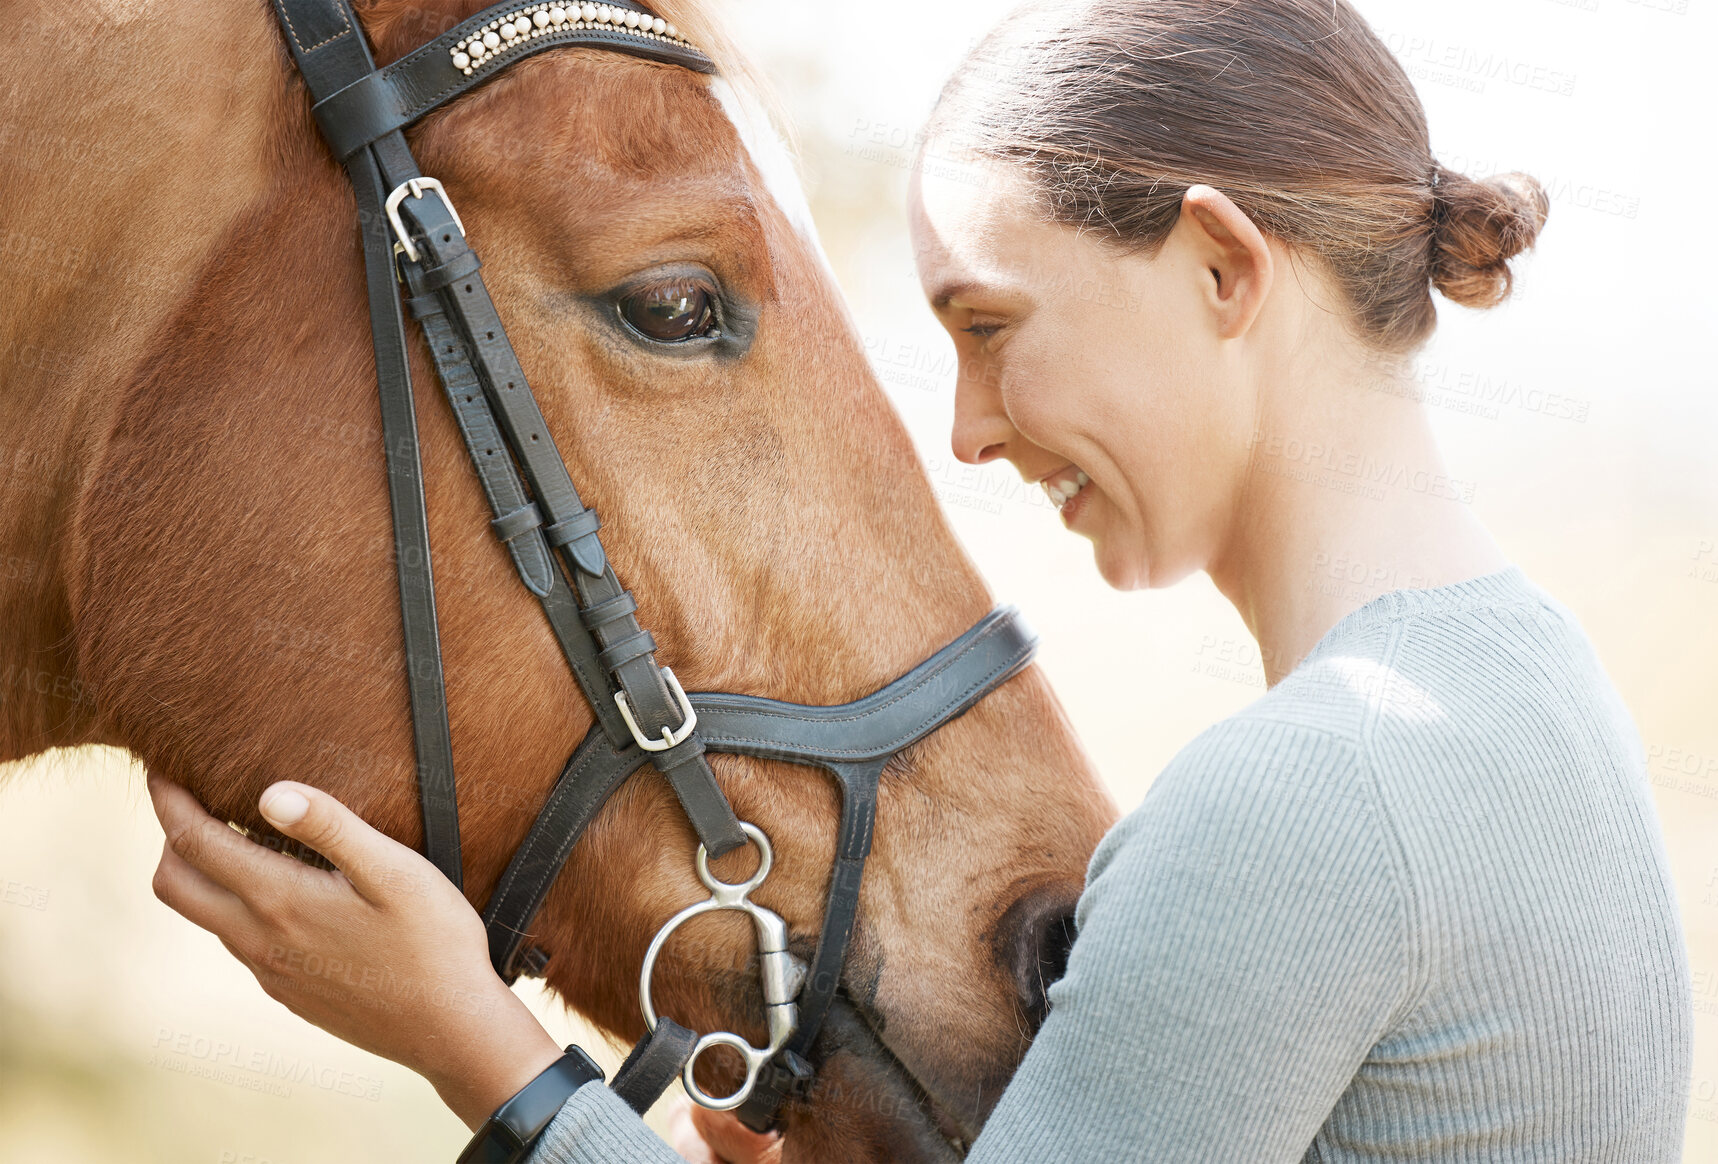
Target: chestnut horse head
<point>206,517</point>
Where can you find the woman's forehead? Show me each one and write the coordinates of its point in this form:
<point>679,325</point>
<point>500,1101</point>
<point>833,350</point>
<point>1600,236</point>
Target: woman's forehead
<point>984,232</point>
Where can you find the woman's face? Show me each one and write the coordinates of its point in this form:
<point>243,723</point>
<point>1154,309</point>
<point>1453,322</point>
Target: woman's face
<point>1100,375</point>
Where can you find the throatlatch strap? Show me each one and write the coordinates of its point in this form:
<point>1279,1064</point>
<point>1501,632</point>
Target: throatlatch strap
<point>329,48</point>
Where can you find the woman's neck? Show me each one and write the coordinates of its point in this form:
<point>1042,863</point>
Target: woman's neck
<point>1347,497</point>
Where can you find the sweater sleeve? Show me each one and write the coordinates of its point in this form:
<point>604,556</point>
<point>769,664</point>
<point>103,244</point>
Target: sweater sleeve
<point>1242,945</point>
<point>1243,942</point>
<point>596,1127</point>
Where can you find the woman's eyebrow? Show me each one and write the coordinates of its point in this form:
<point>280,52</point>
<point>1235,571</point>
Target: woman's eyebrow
<point>947,292</point>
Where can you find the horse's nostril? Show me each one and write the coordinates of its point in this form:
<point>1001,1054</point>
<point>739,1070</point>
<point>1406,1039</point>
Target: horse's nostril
<point>1034,938</point>
<point>1055,939</point>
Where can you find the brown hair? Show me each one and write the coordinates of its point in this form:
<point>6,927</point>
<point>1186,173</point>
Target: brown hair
<point>1293,108</point>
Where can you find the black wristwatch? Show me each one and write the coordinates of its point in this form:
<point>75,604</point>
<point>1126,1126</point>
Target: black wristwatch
<point>507,1136</point>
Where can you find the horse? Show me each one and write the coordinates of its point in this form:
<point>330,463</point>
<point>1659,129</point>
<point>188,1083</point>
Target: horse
<point>196,525</point>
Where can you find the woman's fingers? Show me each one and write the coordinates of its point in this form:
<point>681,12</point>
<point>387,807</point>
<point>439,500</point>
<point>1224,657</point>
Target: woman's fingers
<point>186,890</point>
<point>377,865</point>
<point>374,864</point>
<point>216,851</point>
<point>732,1141</point>
<point>683,1135</point>
<point>390,956</point>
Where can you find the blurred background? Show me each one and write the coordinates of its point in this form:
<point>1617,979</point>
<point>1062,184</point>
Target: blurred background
<point>1584,414</point>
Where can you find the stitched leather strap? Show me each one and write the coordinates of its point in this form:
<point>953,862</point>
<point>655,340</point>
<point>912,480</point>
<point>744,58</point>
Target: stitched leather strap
<point>625,654</point>
<point>852,741</point>
<point>518,522</point>
<point>790,1072</point>
<point>654,1065</point>
<point>871,729</point>
<point>590,776</point>
<point>448,271</point>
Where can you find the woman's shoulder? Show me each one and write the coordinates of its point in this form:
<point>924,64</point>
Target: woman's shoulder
<point>1490,665</point>
<point>1253,791</point>
<point>1423,707</point>
<point>1255,817</point>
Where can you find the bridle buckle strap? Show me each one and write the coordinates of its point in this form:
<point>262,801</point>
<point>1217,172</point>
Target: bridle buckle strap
<point>670,736</point>
<point>415,187</point>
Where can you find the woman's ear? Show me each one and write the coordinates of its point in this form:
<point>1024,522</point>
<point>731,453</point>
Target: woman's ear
<point>1234,254</point>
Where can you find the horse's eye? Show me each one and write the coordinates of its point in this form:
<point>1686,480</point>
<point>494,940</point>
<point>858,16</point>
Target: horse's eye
<point>670,312</point>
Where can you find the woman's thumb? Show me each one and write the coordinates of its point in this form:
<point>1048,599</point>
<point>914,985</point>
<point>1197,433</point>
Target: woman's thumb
<point>329,827</point>
<point>284,804</point>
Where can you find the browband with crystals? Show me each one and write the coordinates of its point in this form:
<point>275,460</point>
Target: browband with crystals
<point>514,29</point>
<point>391,98</point>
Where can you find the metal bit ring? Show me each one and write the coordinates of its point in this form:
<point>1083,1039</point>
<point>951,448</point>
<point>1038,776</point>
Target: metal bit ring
<point>782,973</point>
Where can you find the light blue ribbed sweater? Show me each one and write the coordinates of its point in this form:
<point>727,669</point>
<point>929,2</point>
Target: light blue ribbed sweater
<point>1412,904</point>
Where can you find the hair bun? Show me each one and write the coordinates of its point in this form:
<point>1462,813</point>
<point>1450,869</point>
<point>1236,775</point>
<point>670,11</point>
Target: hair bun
<point>1477,227</point>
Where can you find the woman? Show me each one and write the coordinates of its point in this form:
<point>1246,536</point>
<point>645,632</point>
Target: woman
<point>1413,903</point>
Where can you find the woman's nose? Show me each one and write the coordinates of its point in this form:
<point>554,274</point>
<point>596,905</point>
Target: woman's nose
<point>981,428</point>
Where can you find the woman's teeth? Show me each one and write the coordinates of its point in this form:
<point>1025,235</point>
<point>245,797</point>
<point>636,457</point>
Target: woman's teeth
<point>1062,491</point>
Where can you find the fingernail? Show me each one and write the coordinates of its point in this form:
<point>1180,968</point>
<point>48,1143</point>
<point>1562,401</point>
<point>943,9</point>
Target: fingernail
<point>284,806</point>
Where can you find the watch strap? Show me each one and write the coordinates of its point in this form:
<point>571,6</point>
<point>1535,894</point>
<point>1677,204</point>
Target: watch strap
<point>507,1136</point>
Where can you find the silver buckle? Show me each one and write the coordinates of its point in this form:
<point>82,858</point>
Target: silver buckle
<point>782,974</point>
<point>670,736</point>
<point>415,187</point>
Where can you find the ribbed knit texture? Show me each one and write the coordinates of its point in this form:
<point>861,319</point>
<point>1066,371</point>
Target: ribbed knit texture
<point>1413,904</point>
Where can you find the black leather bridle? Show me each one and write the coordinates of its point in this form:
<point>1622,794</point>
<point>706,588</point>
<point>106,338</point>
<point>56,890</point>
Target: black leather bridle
<point>411,234</point>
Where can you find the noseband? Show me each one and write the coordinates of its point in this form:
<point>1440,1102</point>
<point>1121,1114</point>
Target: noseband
<point>412,235</point>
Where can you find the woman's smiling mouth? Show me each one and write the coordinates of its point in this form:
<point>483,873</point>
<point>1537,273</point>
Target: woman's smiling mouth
<point>1066,488</point>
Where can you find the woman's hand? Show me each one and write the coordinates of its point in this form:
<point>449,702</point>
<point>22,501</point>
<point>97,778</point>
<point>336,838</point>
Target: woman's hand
<point>385,954</point>
<point>718,1137</point>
